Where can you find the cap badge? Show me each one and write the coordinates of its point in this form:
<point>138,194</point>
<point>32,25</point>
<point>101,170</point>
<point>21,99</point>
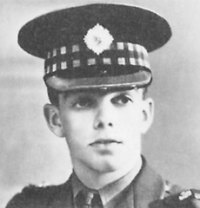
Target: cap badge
<point>98,39</point>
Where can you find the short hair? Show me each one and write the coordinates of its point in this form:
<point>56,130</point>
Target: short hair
<point>145,91</point>
<point>54,95</point>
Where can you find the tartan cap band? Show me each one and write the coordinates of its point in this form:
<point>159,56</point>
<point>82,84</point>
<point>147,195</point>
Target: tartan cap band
<point>79,57</point>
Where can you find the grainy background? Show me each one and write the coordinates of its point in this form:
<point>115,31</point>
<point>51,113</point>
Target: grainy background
<point>30,153</point>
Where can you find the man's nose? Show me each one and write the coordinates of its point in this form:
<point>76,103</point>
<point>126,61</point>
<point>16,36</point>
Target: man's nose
<point>104,116</point>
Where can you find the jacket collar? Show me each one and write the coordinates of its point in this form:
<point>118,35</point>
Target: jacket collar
<point>147,187</point>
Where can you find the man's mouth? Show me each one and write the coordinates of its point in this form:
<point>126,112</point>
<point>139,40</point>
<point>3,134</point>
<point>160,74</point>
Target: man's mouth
<point>105,141</point>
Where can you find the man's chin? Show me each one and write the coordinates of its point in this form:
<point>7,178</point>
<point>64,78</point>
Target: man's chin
<point>108,167</point>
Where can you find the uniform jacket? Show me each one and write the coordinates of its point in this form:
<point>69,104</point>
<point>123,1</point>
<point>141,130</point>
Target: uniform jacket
<point>148,188</point>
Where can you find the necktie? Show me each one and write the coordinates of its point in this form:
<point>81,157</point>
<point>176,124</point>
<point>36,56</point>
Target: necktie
<point>89,200</point>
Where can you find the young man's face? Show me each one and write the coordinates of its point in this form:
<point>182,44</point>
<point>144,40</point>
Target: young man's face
<point>103,130</point>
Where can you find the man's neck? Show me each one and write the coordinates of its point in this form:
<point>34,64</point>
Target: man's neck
<point>97,180</point>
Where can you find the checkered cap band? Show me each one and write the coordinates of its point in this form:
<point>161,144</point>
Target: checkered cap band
<point>78,56</point>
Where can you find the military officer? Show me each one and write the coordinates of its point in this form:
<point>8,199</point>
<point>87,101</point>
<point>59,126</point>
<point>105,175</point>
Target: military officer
<point>97,73</point>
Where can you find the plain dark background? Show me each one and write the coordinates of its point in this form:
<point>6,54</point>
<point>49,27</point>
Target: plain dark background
<point>30,153</point>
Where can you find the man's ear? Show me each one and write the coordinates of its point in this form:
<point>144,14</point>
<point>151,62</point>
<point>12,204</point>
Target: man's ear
<point>148,114</point>
<point>52,116</point>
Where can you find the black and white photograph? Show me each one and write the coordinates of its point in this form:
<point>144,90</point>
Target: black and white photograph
<point>100,104</point>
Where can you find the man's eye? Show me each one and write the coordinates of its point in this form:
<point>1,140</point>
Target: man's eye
<point>122,100</point>
<point>83,103</point>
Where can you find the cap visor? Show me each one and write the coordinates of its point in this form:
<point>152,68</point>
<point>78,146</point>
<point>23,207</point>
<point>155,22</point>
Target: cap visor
<point>63,84</point>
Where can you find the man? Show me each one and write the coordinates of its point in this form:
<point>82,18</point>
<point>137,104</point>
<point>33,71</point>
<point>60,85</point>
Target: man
<point>97,73</point>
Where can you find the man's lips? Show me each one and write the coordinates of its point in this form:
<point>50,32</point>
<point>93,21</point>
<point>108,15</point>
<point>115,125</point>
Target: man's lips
<point>105,141</point>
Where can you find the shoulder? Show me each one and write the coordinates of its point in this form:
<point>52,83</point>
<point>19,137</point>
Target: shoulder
<point>35,196</point>
<point>176,197</point>
<point>32,196</point>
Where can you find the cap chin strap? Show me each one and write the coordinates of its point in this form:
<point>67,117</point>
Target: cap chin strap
<point>122,81</point>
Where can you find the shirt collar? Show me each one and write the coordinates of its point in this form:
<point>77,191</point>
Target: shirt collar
<point>111,190</point>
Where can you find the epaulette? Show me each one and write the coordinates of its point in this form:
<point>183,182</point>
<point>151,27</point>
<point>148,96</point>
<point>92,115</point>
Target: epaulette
<point>41,192</point>
<point>34,187</point>
<point>30,187</point>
